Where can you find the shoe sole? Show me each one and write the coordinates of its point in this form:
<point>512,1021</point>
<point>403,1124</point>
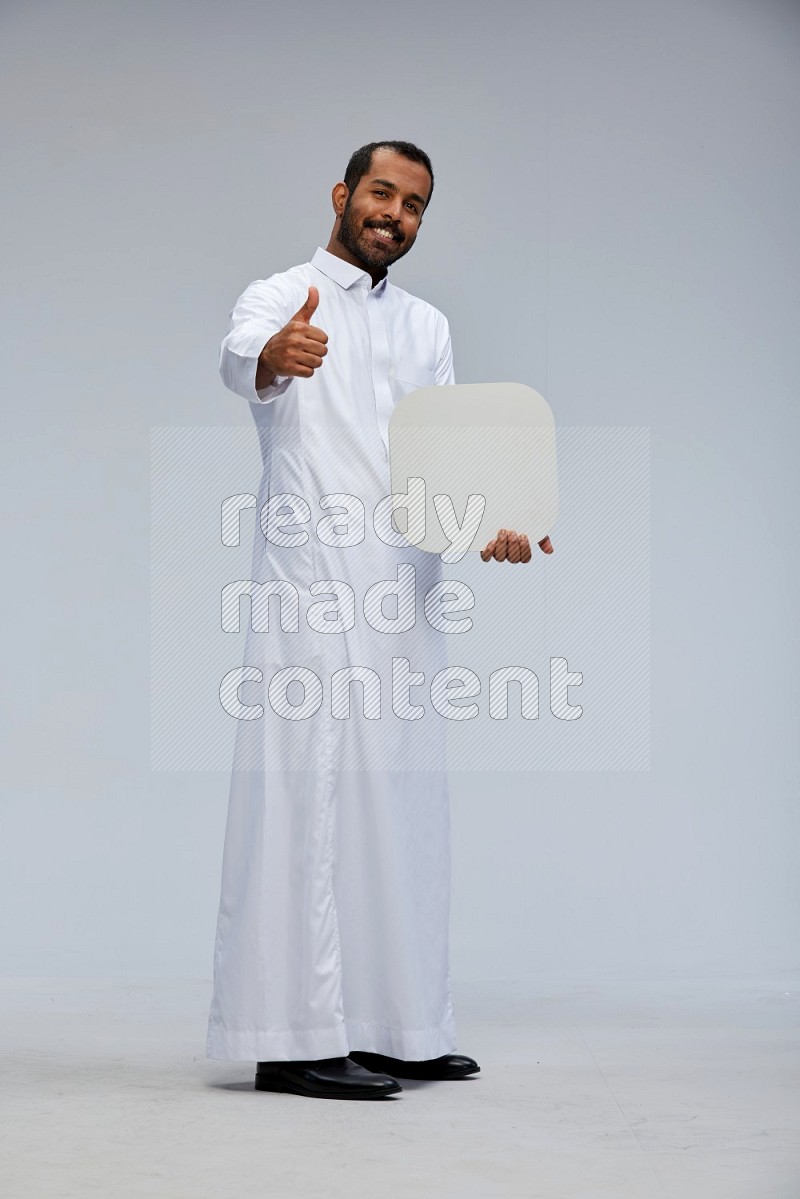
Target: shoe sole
<point>265,1083</point>
<point>438,1077</point>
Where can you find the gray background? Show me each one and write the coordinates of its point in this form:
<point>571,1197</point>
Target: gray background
<point>615,224</point>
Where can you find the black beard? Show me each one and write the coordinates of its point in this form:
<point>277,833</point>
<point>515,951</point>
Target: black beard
<point>348,236</point>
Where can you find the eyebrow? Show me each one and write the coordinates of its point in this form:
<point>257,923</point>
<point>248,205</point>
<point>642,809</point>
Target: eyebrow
<point>393,187</point>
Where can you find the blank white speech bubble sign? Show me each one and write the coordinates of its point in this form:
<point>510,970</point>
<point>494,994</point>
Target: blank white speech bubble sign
<point>493,440</point>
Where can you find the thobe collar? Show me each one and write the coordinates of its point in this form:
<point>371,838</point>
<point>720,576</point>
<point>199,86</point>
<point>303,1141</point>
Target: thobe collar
<point>345,273</point>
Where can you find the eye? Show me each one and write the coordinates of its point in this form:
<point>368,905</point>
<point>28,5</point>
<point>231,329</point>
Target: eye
<point>377,191</point>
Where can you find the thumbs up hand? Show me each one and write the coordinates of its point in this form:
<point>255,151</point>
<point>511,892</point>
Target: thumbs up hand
<point>299,347</point>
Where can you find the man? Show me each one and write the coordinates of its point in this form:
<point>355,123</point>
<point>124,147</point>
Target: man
<point>331,965</point>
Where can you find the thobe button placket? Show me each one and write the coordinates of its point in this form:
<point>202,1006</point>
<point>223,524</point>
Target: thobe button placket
<point>381,361</point>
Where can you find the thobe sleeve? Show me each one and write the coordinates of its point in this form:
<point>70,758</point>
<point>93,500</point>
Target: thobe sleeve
<point>444,372</point>
<point>262,309</point>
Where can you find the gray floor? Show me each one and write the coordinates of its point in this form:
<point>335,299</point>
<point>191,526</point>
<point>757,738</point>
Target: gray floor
<point>683,1088</point>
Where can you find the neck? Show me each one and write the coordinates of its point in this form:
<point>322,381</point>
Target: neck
<point>376,273</point>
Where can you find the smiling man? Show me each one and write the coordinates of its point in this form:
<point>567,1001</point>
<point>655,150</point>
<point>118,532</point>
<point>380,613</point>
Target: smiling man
<point>331,963</point>
<point>366,233</point>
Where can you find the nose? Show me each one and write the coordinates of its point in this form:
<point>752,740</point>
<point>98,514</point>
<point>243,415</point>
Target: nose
<point>393,212</point>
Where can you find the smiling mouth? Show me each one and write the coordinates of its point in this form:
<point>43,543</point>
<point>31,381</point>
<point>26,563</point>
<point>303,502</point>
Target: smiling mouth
<point>385,237</point>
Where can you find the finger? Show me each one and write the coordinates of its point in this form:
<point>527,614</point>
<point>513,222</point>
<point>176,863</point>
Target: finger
<point>513,546</point>
<point>546,545</point>
<point>525,553</point>
<point>502,545</point>
<point>310,340</point>
<point>312,360</point>
<point>488,550</point>
<point>307,311</point>
<point>315,334</point>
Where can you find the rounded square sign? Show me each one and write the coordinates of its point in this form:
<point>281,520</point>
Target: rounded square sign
<point>467,459</point>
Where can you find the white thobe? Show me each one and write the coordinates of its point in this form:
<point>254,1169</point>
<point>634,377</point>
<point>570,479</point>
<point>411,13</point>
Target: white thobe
<point>333,922</point>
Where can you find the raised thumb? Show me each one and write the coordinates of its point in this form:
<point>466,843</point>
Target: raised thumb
<point>307,311</point>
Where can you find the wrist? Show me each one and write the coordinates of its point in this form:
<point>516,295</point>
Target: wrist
<point>265,372</point>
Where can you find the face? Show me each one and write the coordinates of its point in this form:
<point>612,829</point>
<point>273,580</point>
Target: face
<point>391,195</point>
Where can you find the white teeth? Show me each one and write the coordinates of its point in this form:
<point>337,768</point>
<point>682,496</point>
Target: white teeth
<point>382,233</point>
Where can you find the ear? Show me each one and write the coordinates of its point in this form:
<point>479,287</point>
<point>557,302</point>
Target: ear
<point>339,197</point>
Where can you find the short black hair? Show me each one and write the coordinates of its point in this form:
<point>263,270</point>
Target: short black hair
<point>361,161</point>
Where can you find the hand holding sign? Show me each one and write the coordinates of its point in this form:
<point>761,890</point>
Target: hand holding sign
<point>509,546</point>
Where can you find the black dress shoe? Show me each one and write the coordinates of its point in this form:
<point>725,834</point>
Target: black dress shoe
<point>451,1065</point>
<point>326,1078</point>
